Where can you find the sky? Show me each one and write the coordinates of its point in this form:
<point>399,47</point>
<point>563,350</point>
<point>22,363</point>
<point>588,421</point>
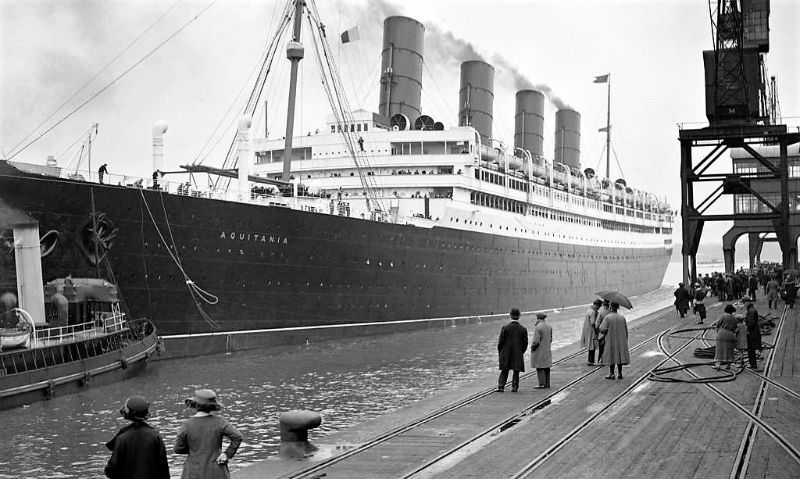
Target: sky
<point>198,79</point>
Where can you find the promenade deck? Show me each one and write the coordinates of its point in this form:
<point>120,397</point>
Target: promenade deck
<point>589,426</point>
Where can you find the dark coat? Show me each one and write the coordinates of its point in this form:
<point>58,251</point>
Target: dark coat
<point>753,329</point>
<point>511,346</point>
<point>137,452</point>
<point>682,299</point>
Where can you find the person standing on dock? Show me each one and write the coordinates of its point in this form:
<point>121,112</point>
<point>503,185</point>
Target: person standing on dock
<point>511,348</point>
<point>589,333</point>
<point>752,286</point>
<point>753,335</point>
<point>601,341</point>
<point>137,449</point>
<point>700,302</point>
<point>772,293</point>
<point>682,299</point>
<point>726,338</point>
<point>615,330</point>
<point>541,354</point>
<point>201,438</point>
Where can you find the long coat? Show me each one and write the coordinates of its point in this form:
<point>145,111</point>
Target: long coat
<point>753,329</point>
<point>511,346</point>
<point>541,356</point>
<point>589,334</point>
<point>615,329</point>
<point>201,438</point>
<point>682,299</point>
<point>137,451</point>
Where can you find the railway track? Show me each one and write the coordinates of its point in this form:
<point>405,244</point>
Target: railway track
<point>318,469</point>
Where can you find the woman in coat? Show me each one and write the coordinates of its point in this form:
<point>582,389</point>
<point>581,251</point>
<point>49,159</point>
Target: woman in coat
<point>615,331</point>
<point>541,356</point>
<point>201,438</point>
<point>589,333</point>
<point>682,300</point>
<point>726,338</point>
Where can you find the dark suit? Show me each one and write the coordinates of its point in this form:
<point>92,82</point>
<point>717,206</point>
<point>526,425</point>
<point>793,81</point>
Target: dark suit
<point>511,346</point>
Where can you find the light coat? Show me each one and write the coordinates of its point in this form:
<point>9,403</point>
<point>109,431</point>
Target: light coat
<point>589,333</point>
<point>201,438</point>
<point>615,329</point>
<point>511,346</point>
<point>541,356</point>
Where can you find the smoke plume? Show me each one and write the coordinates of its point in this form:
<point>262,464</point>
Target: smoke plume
<point>521,82</point>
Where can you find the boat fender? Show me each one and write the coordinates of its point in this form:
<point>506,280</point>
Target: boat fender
<point>87,378</point>
<point>123,363</point>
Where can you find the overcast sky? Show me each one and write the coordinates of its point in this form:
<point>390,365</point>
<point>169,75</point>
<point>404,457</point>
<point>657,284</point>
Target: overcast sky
<point>651,48</point>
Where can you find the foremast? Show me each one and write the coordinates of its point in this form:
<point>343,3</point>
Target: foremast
<point>295,53</point>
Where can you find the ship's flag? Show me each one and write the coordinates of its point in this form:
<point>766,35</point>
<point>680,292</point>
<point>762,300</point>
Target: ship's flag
<point>350,35</point>
<point>601,78</point>
<point>604,129</point>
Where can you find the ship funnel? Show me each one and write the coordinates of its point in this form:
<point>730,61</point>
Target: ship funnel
<point>529,122</point>
<point>568,138</point>
<point>245,156</point>
<point>28,258</point>
<point>401,67</point>
<point>159,128</point>
<point>476,97</point>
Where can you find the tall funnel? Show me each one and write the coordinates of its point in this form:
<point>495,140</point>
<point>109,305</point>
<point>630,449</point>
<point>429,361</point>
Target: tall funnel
<point>476,97</point>
<point>568,138</point>
<point>529,122</point>
<point>401,67</point>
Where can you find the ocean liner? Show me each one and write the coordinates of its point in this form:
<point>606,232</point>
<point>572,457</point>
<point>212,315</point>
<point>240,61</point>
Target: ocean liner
<point>378,217</point>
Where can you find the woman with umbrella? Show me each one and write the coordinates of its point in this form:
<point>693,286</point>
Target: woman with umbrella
<point>615,331</point>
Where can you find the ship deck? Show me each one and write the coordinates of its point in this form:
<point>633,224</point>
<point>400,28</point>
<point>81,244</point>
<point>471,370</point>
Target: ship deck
<point>587,426</point>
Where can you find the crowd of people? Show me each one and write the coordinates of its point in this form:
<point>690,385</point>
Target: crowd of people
<point>137,450</point>
<point>605,330</point>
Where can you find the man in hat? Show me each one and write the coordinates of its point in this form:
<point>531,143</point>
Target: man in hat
<point>541,356</point>
<point>137,449</point>
<point>753,334</point>
<point>511,347</point>
<point>589,333</point>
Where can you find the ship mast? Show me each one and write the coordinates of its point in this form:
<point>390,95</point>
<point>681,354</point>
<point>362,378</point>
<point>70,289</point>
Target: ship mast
<point>608,129</point>
<point>294,52</point>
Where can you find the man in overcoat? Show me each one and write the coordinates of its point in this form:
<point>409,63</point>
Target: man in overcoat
<point>753,334</point>
<point>511,347</point>
<point>682,299</point>
<point>541,355</point>
<point>589,333</point>
<point>615,330</point>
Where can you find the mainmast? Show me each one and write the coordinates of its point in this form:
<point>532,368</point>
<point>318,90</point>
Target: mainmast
<point>608,129</point>
<point>294,52</point>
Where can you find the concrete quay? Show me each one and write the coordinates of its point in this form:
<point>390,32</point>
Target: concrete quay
<point>588,426</point>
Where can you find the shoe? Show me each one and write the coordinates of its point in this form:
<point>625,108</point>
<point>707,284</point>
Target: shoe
<point>540,387</point>
<point>499,390</point>
<point>619,377</point>
<point>514,390</point>
<point>611,376</point>
<point>699,322</point>
<point>728,367</point>
<point>590,364</point>
<point>716,368</point>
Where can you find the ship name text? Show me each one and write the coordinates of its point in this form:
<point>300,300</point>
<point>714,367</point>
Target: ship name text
<point>254,237</point>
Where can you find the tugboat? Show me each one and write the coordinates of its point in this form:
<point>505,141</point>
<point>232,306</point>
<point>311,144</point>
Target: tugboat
<point>75,336</point>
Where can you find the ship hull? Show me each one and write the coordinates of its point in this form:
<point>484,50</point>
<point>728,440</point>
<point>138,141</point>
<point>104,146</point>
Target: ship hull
<point>198,266</point>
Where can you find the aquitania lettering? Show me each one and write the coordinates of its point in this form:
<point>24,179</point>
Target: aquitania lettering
<point>254,237</point>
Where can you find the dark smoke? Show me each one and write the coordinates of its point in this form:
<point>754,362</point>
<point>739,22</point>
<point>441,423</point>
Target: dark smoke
<point>521,82</point>
<point>448,46</point>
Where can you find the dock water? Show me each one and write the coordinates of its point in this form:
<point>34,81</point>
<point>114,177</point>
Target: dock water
<point>589,426</point>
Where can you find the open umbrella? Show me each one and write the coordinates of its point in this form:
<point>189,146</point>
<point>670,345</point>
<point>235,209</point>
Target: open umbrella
<point>616,297</point>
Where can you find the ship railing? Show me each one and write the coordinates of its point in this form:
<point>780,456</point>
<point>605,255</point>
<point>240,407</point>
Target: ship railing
<point>110,323</point>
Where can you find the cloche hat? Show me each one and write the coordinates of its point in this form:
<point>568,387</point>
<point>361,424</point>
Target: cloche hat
<point>205,398</point>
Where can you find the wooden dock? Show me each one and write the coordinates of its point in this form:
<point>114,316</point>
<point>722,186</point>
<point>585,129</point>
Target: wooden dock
<point>589,426</point>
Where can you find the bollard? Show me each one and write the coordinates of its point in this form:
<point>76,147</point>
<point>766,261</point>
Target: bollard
<point>294,432</point>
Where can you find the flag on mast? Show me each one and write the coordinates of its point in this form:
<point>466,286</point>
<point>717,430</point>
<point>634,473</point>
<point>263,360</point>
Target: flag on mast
<point>604,129</point>
<point>350,35</point>
<point>601,78</point>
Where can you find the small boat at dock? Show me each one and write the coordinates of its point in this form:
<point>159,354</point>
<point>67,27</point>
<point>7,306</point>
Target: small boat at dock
<point>88,341</point>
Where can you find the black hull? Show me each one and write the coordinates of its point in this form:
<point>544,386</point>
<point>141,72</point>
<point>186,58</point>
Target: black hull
<point>274,267</point>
